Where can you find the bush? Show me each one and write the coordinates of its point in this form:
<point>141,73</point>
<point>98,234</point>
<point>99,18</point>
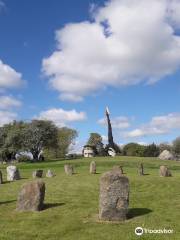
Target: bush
<point>23,158</point>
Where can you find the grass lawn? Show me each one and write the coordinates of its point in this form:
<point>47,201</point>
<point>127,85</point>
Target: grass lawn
<point>71,211</point>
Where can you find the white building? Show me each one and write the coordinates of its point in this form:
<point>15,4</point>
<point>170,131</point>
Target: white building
<point>88,151</point>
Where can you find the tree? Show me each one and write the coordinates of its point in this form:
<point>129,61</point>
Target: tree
<point>66,138</point>
<point>39,134</point>
<point>134,149</point>
<point>11,140</point>
<point>95,140</point>
<point>164,146</point>
<point>151,150</point>
<point>176,146</point>
<point>35,136</point>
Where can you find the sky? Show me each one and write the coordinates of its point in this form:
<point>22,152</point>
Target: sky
<point>66,60</point>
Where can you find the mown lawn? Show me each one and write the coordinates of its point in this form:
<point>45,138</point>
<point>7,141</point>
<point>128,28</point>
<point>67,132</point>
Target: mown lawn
<point>71,211</point>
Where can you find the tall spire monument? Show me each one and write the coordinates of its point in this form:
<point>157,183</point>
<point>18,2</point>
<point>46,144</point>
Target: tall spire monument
<point>110,135</point>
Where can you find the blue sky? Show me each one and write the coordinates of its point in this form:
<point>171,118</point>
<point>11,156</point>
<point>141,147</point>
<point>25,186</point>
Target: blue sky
<point>67,60</point>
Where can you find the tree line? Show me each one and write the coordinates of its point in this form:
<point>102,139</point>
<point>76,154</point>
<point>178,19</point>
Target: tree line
<point>41,138</point>
<point>134,149</point>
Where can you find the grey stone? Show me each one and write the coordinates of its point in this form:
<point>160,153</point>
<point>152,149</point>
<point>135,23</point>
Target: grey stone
<point>166,155</point>
<point>92,168</point>
<point>114,196</point>
<point>1,178</point>
<point>164,172</point>
<point>50,174</point>
<point>12,173</point>
<point>31,196</point>
<point>69,169</point>
<point>141,169</point>
<point>37,174</point>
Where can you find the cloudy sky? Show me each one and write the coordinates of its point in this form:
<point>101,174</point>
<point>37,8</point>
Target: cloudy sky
<point>67,60</point>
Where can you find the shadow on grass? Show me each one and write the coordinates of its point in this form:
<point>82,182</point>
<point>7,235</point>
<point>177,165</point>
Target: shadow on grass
<point>6,202</point>
<point>135,212</point>
<point>5,182</point>
<point>52,205</point>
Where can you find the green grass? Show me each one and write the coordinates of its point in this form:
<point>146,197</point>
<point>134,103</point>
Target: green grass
<point>72,202</point>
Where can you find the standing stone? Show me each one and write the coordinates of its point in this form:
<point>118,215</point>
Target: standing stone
<point>92,168</point>
<point>166,155</point>
<point>1,178</point>
<point>141,170</point>
<point>37,174</point>
<point>69,170</point>
<point>31,196</point>
<point>114,196</point>
<point>12,173</point>
<point>164,172</point>
<point>119,168</point>
<point>50,174</point>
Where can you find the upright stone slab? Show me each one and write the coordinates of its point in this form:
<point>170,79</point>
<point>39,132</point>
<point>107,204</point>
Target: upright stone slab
<point>50,174</point>
<point>114,196</point>
<point>37,174</point>
<point>119,168</point>
<point>12,173</point>
<point>69,169</point>
<point>1,178</point>
<point>164,172</point>
<point>141,169</point>
<point>92,168</point>
<point>31,196</point>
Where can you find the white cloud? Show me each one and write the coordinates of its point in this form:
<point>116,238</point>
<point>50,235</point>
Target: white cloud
<point>9,78</point>
<point>77,147</point>
<point>7,102</point>
<point>117,122</point>
<point>143,143</point>
<point>173,12</point>
<point>129,41</point>
<point>62,117</point>
<point>157,126</point>
<point>7,117</point>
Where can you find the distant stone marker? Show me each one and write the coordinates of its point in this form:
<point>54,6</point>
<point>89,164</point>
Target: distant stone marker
<point>37,174</point>
<point>164,172</point>
<point>31,196</point>
<point>1,178</point>
<point>69,169</point>
<point>50,174</point>
<point>12,173</point>
<point>119,168</point>
<point>166,155</point>
<point>141,169</point>
<point>114,196</point>
<point>92,168</point>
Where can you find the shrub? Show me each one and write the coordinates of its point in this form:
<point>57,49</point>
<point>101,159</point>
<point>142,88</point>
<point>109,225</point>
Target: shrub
<point>23,158</point>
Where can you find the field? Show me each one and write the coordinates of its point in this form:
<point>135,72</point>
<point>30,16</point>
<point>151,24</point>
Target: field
<point>71,202</point>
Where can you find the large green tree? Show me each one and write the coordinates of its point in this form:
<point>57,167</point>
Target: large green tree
<point>66,139</point>
<point>39,134</point>
<point>35,136</point>
<point>11,139</point>
<point>134,149</point>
